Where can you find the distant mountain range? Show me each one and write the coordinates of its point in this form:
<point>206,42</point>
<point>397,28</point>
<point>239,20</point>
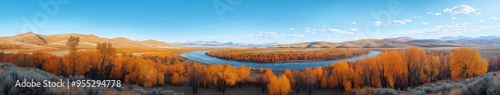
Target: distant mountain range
<point>215,43</point>
<point>400,42</point>
<point>31,40</point>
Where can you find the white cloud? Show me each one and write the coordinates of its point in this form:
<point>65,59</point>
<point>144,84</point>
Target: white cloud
<point>453,18</point>
<point>401,22</point>
<point>291,29</point>
<point>264,35</point>
<point>417,17</point>
<point>296,35</point>
<point>493,18</point>
<point>337,31</point>
<point>458,28</point>
<point>377,23</point>
<point>434,13</point>
<point>425,23</point>
<point>438,14</point>
<point>461,9</point>
<point>309,30</point>
<point>353,22</point>
<point>481,20</point>
<point>354,29</point>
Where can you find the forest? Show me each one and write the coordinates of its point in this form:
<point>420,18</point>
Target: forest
<point>282,55</point>
<point>394,69</point>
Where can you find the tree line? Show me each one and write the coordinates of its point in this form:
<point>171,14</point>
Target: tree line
<point>8,46</point>
<point>400,69</point>
<point>269,56</point>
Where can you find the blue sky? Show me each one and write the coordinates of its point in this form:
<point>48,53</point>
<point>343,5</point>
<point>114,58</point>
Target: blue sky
<point>252,21</point>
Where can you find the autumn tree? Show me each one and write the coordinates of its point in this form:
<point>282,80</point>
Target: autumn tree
<point>288,74</point>
<point>53,65</point>
<point>431,69</point>
<point>226,76</point>
<point>318,73</point>
<point>90,64</point>
<point>72,43</point>
<point>343,72</point>
<point>39,58</point>
<point>106,51</point>
<point>391,67</point>
<point>195,76</point>
<point>273,87</point>
<point>176,79</point>
<point>324,82</point>
<point>467,63</point>
<point>415,59</point>
<point>299,79</point>
<point>266,79</point>
<point>494,63</point>
<point>279,85</point>
<point>310,80</point>
<point>243,74</point>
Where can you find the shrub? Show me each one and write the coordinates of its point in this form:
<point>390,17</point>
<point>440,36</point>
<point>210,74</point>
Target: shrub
<point>12,74</point>
<point>478,87</point>
<point>74,78</point>
<point>385,91</point>
<point>494,89</point>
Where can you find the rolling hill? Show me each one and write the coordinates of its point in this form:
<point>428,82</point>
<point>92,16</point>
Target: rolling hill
<point>31,40</point>
<point>401,42</point>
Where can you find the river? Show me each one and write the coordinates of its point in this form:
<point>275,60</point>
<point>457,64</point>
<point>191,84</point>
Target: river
<point>200,56</point>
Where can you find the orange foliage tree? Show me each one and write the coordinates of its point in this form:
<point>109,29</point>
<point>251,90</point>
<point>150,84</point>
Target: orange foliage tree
<point>106,51</point>
<point>467,63</point>
<point>72,43</point>
<point>279,85</point>
<point>285,55</point>
<point>343,72</point>
<point>415,59</point>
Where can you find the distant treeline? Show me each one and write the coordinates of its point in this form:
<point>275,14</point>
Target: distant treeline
<point>269,56</point>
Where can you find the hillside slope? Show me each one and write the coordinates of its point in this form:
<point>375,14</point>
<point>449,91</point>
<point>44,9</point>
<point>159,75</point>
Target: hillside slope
<point>401,42</point>
<point>31,40</point>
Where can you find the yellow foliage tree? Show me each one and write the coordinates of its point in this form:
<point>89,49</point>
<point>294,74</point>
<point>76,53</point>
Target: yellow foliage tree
<point>273,87</point>
<point>279,85</point>
<point>467,63</point>
<point>285,86</point>
<point>176,79</point>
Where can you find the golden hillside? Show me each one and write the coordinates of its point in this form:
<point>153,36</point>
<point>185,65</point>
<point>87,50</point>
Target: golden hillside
<point>31,40</point>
